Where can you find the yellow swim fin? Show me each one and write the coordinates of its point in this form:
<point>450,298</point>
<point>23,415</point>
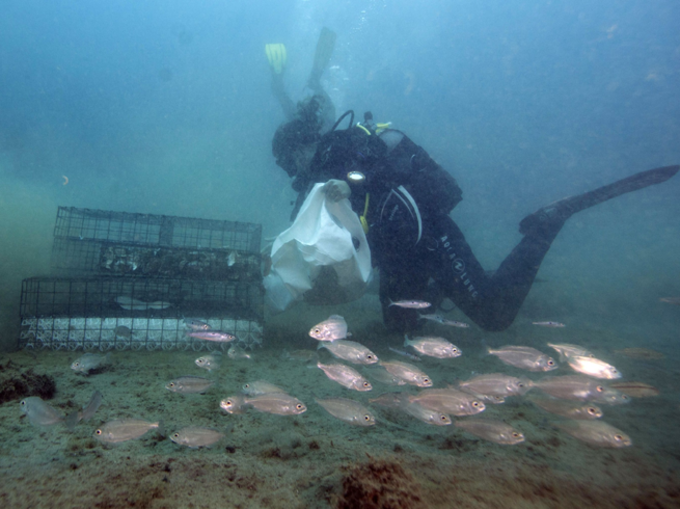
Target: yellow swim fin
<point>324,50</point>
<point>276,54</point>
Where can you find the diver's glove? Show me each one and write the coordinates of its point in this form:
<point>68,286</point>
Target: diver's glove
<point>337,190</point>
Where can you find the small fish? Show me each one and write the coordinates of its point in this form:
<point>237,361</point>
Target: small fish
<point>122,430</point>
<point>578,387</point>
<point>549,324</point>
<point>441,320</point>
<point>350,351</point>
<point>636,389</point>
<point>408,373</point>
<point>196,325</point>
<point>641,353</point>
<point>210,335</point>
<point>566,350</point>
<point>123,332</point>
<point>596,433</point>
<point>189,385</point>
<point>260,387</point>
<point>91,362</point>
<point>569,409</point>
<point>195,437</point>
<point>231,259</point>
<point>383,376</point>
<point>593,367</point>
<point>209,362</point>
<point>348,411</point>
<point>433,347</point>
<point>408,355</point>
<point>671,300</point>
<point>300,356</point>
<point>524,357</point>
<point>93,405</point>
<point>335,327</point>
<point>449,401</point>
<point>391,400</point>
<point>236,352</point>
<point>345,376</point>
<point>427,415</point>
<point>495,387</point>
<point>233,404</point>
<point>410,304</point>
<point>41,413</point>
<point>276,403</point>
<point>493,431</point>
<point>130,304</point>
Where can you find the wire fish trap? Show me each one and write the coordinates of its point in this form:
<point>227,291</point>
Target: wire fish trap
<point>108,243</point>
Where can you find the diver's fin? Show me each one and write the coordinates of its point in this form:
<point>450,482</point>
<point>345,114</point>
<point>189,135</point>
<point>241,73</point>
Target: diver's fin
<point>324,50</point>
<point>277,56</point>
<point>552,216</point>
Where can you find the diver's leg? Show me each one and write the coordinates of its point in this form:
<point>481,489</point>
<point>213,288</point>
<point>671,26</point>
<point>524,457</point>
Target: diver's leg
<point>549,219</point>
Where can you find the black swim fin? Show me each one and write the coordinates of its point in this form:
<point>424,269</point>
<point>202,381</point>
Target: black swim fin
<point>324,50</point>
<point>551,217</point>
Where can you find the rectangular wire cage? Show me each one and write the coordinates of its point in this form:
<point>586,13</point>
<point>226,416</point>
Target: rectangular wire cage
<point>106,313</point>
<point>112,243</point>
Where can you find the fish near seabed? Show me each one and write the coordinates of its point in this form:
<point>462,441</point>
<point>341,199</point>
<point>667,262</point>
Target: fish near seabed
<point>348,410</point>
<point>91,362</point>
<point>432,346</point>
<point>493,431</point>
<point>350,351</point>
<point>524,357</point>
<point>335,327</point>
<point>196,436</point>
<point>122,430</point>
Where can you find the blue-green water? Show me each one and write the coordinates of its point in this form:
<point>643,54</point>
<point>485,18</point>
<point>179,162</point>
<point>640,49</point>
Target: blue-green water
<point>165,108</point>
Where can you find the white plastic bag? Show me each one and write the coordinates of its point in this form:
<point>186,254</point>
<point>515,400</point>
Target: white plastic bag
<point>316,258</point>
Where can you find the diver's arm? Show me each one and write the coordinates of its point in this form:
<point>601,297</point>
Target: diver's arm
<point>279,91</point>
<point>337,190</point>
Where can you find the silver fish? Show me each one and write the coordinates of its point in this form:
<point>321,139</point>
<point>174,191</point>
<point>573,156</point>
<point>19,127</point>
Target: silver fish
<point>671,300</point>
<point>433,347</point>
<point>596,433</point>
<point>564,408</point>
<point>549,324</point>
<point>93,405</point>
<point>335,327</point>
<point>231,259</point>
<point>236,352</point>
<point>408,355</point>
<point>495,387</point>
<point>131,304</point>
<point>408,373</point>
<point>494,431</point>
<point>260,387</point>
<point>350,351</point>
<point>566,350</point>
<point>593,367</point>
<point>91,362</point>
<point>209,362</point>
<point>41,413</point>
<point>210,335</point>
<point>122,430</point>
<point>348,410</point>
<point>410,304</point>
<point>195,437</point>
<point>383,376</point>
<point>441,320</point>
<point>391,400</point>
<point>427,415</point>
<point>449,401</point>
<point>524,357</point>
<point>189,384</point>
<point>277,403</point>
<point>345,376</point>
<point>578,387</point>
<point>233,404</point>
<point>196,325</point>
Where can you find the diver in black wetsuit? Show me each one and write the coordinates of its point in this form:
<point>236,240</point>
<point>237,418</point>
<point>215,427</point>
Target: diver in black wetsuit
<point>404,198</point>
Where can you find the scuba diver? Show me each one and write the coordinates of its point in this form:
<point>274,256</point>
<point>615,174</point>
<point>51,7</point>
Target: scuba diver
<point>404,198</point>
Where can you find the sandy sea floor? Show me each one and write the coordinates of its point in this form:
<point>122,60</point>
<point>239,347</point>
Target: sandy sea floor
<point>315,460</point>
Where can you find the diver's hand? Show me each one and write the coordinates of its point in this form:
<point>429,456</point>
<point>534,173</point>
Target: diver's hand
<point>337,190</point>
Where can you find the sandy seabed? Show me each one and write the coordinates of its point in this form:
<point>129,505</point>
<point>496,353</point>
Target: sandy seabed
<point>315,460</point>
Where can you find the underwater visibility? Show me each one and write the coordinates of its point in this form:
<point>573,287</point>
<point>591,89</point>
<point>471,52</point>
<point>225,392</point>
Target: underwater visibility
<point>376,254</point>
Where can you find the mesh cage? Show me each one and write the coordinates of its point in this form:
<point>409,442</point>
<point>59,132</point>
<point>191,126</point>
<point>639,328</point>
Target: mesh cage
<point>129,280</point>
<point>136,313</point>
<point>111,243</point>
